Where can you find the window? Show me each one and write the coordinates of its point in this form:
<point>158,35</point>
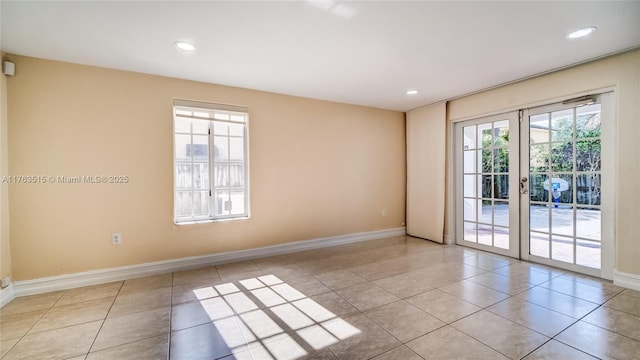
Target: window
<point>210,162</point>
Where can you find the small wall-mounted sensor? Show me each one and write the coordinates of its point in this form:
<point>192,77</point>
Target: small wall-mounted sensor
<point>8,68</point>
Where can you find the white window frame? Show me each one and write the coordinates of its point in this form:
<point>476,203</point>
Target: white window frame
<point>217,207</point>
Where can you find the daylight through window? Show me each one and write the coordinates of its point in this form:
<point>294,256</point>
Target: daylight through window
<point>210,162</point>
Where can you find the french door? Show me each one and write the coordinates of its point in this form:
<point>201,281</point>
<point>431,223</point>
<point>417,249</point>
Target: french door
<point>487,210</point>
<point>538,184</point>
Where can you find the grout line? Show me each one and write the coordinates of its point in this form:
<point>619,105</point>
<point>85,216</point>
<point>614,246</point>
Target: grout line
<point>105,319</point>
<point>173,275</point>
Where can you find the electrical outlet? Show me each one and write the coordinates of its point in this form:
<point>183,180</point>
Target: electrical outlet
<point>5,281</point>
<point>383,212</point>
<point>116,239</point>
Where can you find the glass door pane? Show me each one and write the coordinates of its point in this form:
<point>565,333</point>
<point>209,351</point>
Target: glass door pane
<point>484,156</point>
<point>564,172</point>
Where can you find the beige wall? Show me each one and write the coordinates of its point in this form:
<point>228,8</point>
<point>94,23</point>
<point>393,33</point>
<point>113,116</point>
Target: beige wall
<point>317,169</point>
<point>622,72</point>
<point>5,249</point>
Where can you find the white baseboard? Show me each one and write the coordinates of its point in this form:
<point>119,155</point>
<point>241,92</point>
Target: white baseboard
<point>94,277</point>
<point>630,281</point>
<point>6,295</point>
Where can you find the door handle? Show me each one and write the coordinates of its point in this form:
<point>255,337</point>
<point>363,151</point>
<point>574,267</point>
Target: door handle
<point>523,185</point>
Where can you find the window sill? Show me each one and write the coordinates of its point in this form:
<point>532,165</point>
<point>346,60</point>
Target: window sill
<point>207,221</point>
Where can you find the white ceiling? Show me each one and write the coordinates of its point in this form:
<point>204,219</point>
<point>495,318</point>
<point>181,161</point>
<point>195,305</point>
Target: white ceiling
<point>365,53</point>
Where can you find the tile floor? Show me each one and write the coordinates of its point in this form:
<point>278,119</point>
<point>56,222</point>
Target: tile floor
<point>396,298</point>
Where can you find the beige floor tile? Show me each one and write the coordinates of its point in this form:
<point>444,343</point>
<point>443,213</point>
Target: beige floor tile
<point>81,357</point>
<point>632,293</point>
<point>133,327</point>
<point>487,261</point>
<point>553,350</point>
<point>281,346</point>
<point>354,260</point>
<point>204,342</point>
<point>449,343</point>
<point>73,314</point>
<point>6,345</point>
<point>190,314</point>
<point>360,338</point>
<point>375,271</point>
<point>146,283</point>
<point>319,266</point>
<point>154,348</point>
<point>237,276</point>
<point>186,293</point>
<point>339,279</point>
<point>535,317</point>
<point>443,306</point>
<point>444,274</point>
<point>12,326</point>
<point>474,293</point>
<point>577,288</point>
<point>140,301</point>
<point>526,273</point>
<point>31,303</point>
<point>287,272</point>
<point>202,276</point>
<point>501,334</point>
<point>462,272</point>
<point>304,256</point>
<point>401,352</point>
<point>599,342</point>
<point>593,281</point>
<point>454,252</point>
<point>56,344</point>
<point>308,285</point>
<point>366,296</point>
<point>616,321</point>
<point>403,320</point>
<point>277,260</point>
<point>404,264</point>
<point>501,283</point>
<point>559,302</point>
<point>238,270</point>
<point>325,306</point>
<point>319,355</point>
<point>87,293</point>
<point>403,286</point>
<point>625,303</point>
<point>238,266</point>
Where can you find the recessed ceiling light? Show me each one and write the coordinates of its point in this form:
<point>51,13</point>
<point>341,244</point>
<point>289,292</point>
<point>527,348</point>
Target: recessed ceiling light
<point>581,32</point>
<point>183,45</point>
<point>412,92</point>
